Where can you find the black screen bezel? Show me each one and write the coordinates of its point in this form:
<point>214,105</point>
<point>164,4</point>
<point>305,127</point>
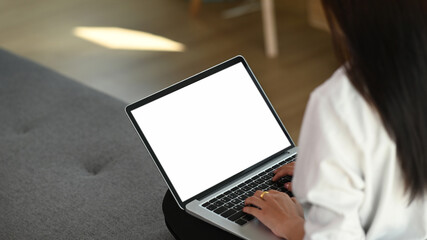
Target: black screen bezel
<point>187,82</point>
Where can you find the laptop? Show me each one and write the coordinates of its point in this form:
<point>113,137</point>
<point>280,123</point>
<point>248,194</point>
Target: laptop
<point>216,139</point>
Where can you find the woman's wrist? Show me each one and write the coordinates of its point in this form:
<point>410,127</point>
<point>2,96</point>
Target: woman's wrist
<point>294,229</point>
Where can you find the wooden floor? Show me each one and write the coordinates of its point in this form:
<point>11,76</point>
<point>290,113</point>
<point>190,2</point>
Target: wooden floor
<point>43,31</point>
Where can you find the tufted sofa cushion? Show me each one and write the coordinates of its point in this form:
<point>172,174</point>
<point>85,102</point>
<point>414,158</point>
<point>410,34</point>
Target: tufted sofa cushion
<point>71,165</point>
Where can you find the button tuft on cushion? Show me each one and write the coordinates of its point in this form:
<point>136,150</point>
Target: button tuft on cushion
<point>96,164</point>
<point>25,129</point>
<point>95,168</point>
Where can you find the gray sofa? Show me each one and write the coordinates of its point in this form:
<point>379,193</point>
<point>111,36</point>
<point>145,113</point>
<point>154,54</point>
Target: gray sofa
<point>71,164</point>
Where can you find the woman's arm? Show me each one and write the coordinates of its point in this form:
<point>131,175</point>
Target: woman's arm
<point>328,179</point>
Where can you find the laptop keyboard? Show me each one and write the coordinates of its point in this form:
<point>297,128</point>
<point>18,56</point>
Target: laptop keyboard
<point>230,203</point>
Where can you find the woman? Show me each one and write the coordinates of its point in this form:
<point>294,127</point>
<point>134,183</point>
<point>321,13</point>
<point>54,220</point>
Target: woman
<point>361,172</point>
<point>362,166</point>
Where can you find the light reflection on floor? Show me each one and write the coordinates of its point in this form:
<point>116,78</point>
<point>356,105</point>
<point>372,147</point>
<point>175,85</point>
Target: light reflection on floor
<point>126,39</point>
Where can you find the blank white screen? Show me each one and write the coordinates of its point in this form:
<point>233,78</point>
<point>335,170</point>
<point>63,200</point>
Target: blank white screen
<point>210,130</point>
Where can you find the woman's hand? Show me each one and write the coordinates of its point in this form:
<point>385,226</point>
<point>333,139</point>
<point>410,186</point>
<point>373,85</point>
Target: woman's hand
<point>282,214</point>
<point>285,170</point>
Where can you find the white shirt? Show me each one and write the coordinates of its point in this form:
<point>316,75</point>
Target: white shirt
<point>347,175</point>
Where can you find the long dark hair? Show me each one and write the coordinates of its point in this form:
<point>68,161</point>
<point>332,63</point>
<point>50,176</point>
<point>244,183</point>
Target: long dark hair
<point>383,45</point>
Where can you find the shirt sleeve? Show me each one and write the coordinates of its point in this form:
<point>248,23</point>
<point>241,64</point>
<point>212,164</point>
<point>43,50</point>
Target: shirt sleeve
<point>328,181</point>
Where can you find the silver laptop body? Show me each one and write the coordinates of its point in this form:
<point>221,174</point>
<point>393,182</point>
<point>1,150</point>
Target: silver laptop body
<point>213,136</point>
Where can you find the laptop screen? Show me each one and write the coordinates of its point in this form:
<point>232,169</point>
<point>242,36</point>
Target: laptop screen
<point>210,130</point>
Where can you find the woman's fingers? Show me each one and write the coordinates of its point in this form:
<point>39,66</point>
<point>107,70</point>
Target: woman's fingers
<point>254,200</point>
<point>288,186</point>
<point>258,193</point>
<point>258,202</point>
<point>252,211</point>
<point>281,172</point>
<point>284,170</point>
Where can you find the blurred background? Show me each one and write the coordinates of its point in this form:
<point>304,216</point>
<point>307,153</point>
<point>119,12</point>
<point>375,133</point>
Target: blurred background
<point>132,48</point>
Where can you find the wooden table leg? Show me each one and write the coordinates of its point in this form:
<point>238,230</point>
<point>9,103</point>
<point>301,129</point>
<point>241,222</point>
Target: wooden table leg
<point>270,33</point>
<point>195,6</point>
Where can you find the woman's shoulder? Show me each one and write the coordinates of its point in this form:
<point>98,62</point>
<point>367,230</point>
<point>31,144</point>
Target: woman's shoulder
<point>339,99</point>
<point>337,90</point>
<point>340,96</point>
